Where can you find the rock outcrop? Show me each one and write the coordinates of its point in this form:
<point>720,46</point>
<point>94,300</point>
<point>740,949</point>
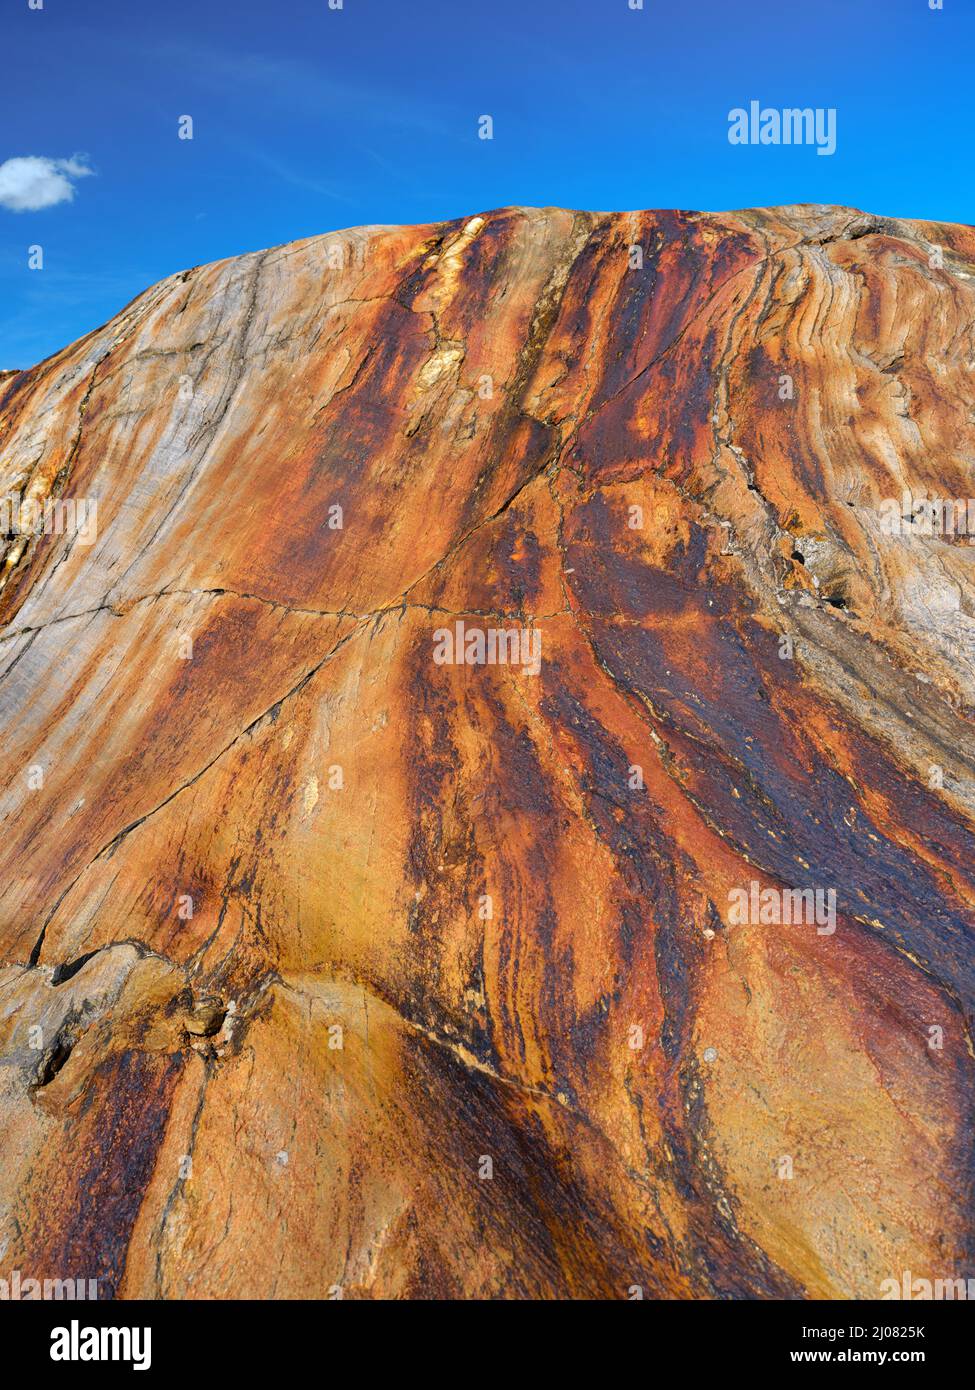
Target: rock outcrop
<point>334,966</point>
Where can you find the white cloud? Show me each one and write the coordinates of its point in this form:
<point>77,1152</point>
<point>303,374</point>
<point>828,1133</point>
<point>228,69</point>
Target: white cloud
<point>32,182</point>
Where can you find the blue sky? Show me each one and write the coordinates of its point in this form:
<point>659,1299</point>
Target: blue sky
<point>308,119</point>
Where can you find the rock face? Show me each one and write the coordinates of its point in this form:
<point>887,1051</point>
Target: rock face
<point>332,966</point>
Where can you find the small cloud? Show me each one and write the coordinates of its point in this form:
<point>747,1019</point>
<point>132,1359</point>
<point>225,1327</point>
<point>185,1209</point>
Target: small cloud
<point>32,182</point>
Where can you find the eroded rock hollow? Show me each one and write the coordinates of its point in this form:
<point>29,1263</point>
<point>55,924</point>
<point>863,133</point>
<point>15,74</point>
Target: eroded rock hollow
<point>487,804</point>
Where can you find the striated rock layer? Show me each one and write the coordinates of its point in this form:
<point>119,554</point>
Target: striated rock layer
<point>331,968</point>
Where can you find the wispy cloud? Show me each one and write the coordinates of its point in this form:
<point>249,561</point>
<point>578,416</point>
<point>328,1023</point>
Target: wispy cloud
<point>295,177</point>
<point>31,182</point>
<point>292,84</point>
